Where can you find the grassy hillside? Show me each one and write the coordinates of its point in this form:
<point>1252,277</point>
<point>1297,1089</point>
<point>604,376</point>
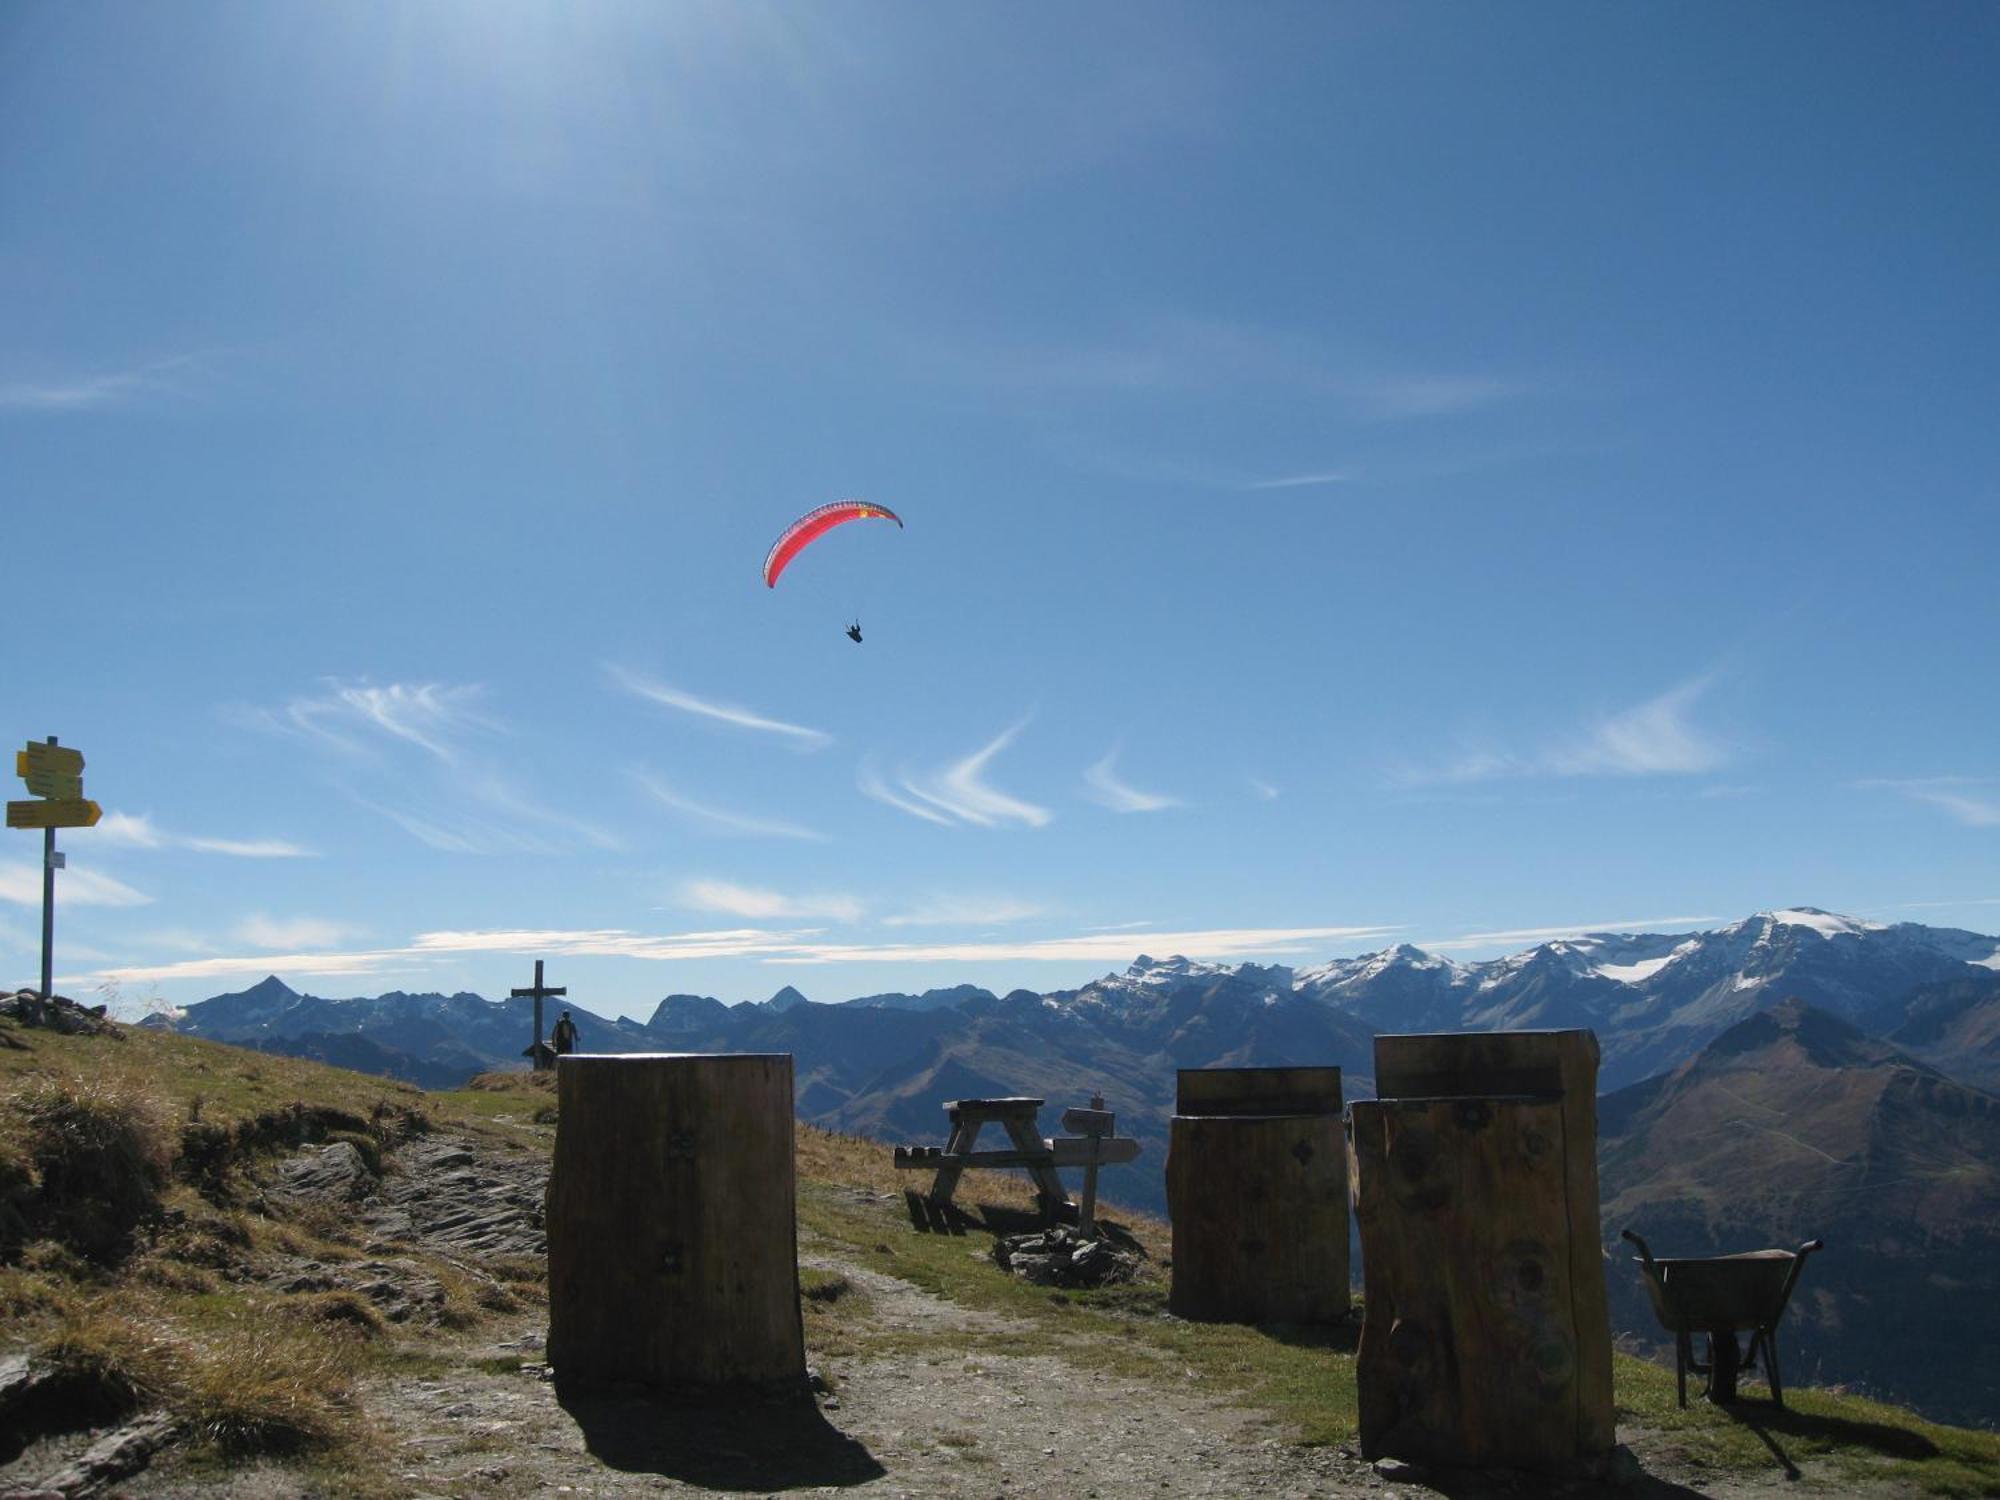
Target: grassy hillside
<point>133,1196</point>
<point>133,1219</point>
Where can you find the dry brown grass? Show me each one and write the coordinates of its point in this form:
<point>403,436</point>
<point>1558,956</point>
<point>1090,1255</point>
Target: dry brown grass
<point>266,1386</point>
<point>342,1309</point>
<point>513,1083</point>
<point>97,1146</point>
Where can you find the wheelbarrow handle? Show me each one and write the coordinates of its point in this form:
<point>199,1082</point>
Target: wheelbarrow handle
<point>1645,1254</point>
<point>1809,1246</point>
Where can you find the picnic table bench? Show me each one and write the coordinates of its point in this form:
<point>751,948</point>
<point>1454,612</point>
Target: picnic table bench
<point>1094,1146</point>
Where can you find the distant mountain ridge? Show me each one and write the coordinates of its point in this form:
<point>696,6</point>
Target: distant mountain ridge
<point>883,1064</point>
<point>1654,1001</point>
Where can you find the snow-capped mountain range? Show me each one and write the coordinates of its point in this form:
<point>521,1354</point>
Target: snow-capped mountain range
<point>1652,998</point>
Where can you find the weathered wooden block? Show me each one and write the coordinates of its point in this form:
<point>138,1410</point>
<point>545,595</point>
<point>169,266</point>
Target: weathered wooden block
<point>1257,1091</point>
<point>1485,1338</point>
<point>672,1239</point>
<point>1257,1190</point>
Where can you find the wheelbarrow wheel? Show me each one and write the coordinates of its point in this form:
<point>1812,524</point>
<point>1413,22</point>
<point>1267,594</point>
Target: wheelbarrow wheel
<point>1725,1360</point>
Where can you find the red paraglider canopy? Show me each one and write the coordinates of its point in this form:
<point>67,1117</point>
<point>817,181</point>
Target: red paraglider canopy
<point>814,524</point>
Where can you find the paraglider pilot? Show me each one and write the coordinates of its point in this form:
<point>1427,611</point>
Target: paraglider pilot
<point>854,632</point>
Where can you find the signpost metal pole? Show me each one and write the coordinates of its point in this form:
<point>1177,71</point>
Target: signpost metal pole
<point>55,781</point>
<point>48,908</point>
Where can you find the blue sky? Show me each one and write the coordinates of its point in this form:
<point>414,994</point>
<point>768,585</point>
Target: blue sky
<point>1405,472</point>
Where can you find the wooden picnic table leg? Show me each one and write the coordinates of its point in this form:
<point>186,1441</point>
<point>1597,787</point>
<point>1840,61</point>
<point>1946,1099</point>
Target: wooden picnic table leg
<point>963,1134</point>
<point>1047,1181</point>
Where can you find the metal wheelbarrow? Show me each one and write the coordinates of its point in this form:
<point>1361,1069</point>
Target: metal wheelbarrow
<point>1716,1295</point>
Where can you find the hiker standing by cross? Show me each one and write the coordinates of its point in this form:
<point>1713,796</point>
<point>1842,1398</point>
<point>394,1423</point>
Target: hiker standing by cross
<point>540,992</point>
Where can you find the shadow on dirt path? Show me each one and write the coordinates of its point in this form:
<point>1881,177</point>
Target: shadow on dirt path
<point>741,1445</point>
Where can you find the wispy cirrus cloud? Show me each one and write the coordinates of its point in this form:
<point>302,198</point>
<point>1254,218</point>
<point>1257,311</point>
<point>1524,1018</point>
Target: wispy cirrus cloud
<point>1394,398</point>
<point>1529,936</point>
<point>777,947</point>
<point>759,905</point>
<point>138,831</point>
<point>720,819</point>
<point>959,791</point>
<point>356,717</point>
<point>1179,354</point>
<point>173,376</point>
<point>292,933</point>
<point>1655,738</point>
<point>1966,799</point>
<point>1106,789</point>
<point>427,949</point>
<point>1263,789</point>
<point>21,883</point>
<point>964,911</point>
<point>422,755</point>
<point>1300,481</point>
<point>1103,947</point>
<point>652,691</point>
<point>873,784</point>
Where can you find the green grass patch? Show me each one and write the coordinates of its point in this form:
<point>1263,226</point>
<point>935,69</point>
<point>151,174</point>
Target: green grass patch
<point>1304,1378</point>
<point>1856,1440</point>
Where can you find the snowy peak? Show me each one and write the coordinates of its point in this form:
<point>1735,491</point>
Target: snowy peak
<point>1827,924</point>
<point>1403,956</point>
<point>1150,970</point>
<point>1651,997</point>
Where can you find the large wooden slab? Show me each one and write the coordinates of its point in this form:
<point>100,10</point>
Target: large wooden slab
<point>1469,1353</point>
<point>1259,1208</point>
<point>1555,1068</point>
<point>1258,1091</point>
<point>1457,1064</point>
<point>672,1241</point>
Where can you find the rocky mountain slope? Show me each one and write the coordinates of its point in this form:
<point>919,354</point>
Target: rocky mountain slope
<point>1792,1125</point>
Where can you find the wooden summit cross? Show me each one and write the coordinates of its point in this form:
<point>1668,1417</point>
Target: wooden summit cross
<point>540,992</point>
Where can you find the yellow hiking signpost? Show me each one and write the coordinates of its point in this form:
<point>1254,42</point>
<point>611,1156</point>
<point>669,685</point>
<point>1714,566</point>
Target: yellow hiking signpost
<point>54,774</point>
<point>54,813</point>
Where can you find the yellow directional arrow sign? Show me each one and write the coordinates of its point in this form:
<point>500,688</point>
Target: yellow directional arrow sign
<point>69,812</point>
<point>60,759</point>
<point>53,784</point>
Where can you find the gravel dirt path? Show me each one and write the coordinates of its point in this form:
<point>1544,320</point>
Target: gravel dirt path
<point>939,1415</point>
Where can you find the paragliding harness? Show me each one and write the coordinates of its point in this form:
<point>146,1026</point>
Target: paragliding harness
<point>854,632</point>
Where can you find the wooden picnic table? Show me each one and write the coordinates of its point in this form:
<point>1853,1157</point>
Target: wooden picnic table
<point>1030,1151</point>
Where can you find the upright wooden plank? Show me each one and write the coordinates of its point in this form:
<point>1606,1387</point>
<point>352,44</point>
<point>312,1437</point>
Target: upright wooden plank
<point>672,1241</point>
<point>1557,1064</point>
<point>1258,1091</point>
<point>1259,1208</point>
<point>1469,1354</point>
